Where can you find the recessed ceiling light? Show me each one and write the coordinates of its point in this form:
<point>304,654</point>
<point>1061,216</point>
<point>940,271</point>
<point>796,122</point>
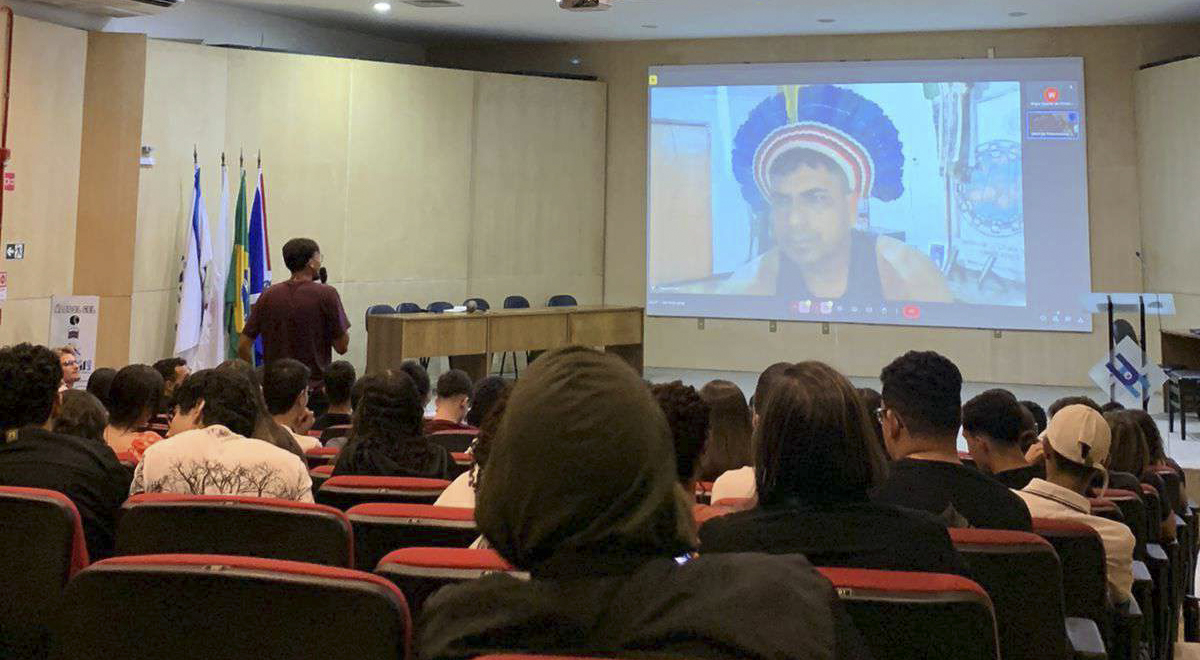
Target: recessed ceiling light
<point>1018,14</point>
<point>650,26</point>
<point>826,20</point>
<point>382,7</point>
<point>576,61</point>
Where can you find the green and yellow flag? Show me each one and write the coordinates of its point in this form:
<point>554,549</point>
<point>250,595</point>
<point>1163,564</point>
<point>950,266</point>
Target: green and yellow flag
<point>237,289</point>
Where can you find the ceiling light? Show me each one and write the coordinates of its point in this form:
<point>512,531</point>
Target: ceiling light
<point>649,26</point>
<point>1018,14</point>
<point>382,7</point>
<point>826,20</point>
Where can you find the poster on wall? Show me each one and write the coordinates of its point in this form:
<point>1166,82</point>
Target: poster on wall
<point>73,322</point>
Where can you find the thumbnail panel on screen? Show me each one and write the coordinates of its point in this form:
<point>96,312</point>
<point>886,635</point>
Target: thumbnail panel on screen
<point>899,197</point>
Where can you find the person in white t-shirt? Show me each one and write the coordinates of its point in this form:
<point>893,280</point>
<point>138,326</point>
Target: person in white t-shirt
<point>285,389</point>
<point>1075,444</point>
<point>739,483</point>
<point>207,451</point>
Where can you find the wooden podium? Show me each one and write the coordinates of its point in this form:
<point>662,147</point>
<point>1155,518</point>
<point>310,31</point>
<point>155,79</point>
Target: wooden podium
<point>473,338</point>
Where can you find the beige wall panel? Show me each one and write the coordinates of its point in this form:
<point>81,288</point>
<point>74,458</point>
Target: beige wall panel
<point>152,325</point>
<point>1168,140</point>
<point>538,178</point>
<point>25,320</point>
<point>1111,58</point>
<point>112,349</point>
<point>409,173</point>
<point>358,296</point>
<point>295,109</point>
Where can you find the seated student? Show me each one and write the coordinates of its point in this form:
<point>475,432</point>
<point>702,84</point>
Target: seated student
<point>485,395</point>
<point>174,370</point>
<point>339,380</point>
<point>1156,448</point>
<point>872,401</point>
<point>34,457</point>
<point>1065,401</point>
<point>285,390</point>
<point>453,400</point>
<point>1075,446</point>
<point>265,426</point>
<point>80,414</point>
<point>994,424</point>
<point>133,398</point>
<point>817,462</point>
<point>1127,460</point>
<point>461,491</point>
<point>208,450</point>
<point>729,430</point>
<point>1039,414</point>
<point>739,483</point>
<point>687,417</point>
<point>581,491</point>
<point>100,383</point>
<point>922,401</point>
<point>68,359</point>
<point>420,378</point>
<point>385,438</point>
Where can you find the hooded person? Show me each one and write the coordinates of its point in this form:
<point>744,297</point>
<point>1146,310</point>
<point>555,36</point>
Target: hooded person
<point>581,491</point>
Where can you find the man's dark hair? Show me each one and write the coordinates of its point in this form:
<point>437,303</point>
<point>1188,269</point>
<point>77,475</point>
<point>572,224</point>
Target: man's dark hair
<point>134,395</point>
<point>1039,414</point>
<point>99,384</point>
<point>30,375</point>
<point>815,441</point>
<point>455,382</point>
<point>1072,401</point>
<point>765,380</point>
<point>339,380</point>
<point>687,415</point>
<point>82,415</point>
<point>166,367</point>
<point>487,392</point>
<point>283,381</point>
<point>793,159</point>
<point>419,377</point>
<point>996,414</point>
<point>1111,406</point>
<point>229,399</point>
<point>925,390</point>
<point>298,251</point>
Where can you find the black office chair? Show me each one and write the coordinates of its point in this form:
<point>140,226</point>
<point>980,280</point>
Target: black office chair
<point>513,302</point>
<point>409,308</point>
<point>480,304</point>
<point>439,306</point>
<point>562,300</point>
<point>379,309</point>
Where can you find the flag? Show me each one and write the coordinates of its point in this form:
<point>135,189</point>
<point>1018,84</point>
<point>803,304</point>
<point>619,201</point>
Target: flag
<point>260,252</point>
<point>237,289</point>
<point>196,259</point>
<point>212,331</point>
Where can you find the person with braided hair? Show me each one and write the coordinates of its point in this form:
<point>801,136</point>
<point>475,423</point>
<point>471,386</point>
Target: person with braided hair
<point>386,436</point>
<point>208,450</point>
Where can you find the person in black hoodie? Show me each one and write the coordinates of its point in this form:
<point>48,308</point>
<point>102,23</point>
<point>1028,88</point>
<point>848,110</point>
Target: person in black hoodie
<point>386,435</point>
<point>581,491</point>
<point>33,456</point>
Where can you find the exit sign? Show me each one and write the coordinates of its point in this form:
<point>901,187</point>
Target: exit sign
<point>14,251</point>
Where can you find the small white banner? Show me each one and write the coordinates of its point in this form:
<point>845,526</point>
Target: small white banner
<point>1129,378</point>
<point>73,322</point>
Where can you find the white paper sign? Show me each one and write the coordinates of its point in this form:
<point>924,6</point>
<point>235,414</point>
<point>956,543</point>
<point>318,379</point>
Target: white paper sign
<point>73,322</point>
<point>1129,377</point>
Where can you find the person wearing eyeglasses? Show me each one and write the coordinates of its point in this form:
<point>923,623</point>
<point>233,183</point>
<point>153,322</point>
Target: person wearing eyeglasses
<point>68,359</point>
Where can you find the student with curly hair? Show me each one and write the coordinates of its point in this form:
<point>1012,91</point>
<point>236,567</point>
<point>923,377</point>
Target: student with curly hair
<point>33,456</point>
<point>385,438</point>
<point>687,416</point>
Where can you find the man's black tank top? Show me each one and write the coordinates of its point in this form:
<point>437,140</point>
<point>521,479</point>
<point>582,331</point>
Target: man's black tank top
<point>862,283</point>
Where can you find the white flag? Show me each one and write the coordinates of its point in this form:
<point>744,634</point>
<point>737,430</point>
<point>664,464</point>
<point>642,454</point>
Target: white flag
<point>211,351</point>
<point>197,256</point>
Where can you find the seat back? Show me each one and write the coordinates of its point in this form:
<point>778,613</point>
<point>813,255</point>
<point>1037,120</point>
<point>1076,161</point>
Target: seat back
<point>380,309</point>
<point>439,306</point>
<point>41,547</point>
<point>480,304</point>
<point>1174,485</point>
<point>1081,556</point>
<point>1154,513</point>
<point>334,432</point>
<point>1021,574</point>
<point>409,308</point>
<point>1133,513</point>
<point>320,475</point>
<point>215,606</point>
<point>453,441</point>
<point>516,302</point>
<point>165,523</point>
<point>382,528</point>
<point>562,300</point>
<point>321,456</point>
<point>346,491</point>
<point>421,571</point>
<point>906,616</point>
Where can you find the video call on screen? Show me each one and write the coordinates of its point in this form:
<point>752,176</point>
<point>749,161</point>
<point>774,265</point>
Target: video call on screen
<point>935,193</point>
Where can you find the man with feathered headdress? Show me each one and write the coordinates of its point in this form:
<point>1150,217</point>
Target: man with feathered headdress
<point>805,157</point>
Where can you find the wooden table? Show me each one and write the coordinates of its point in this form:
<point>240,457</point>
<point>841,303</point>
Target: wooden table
<point>472,338</point>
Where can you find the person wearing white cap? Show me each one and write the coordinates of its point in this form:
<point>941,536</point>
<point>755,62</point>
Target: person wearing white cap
<point>1075,444</point>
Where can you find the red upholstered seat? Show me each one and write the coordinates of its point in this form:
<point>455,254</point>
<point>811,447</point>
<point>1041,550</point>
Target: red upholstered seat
<point>918,615</point>
<point>421,571</point>
<point>381,528</point>
<point>217,606</point>
<point>334,432</point>
<point>514,656</point>
<point>1081,555</point>
<point>314,433</point>
<point>704,492</point>
<point>321,456</point>
<point>157,523</point>
<point>462,458</point>
<point>454,440</point>
<point>736,503</point>
<point>320,475</point>
<point>41,546</point>
<point>345,491</point>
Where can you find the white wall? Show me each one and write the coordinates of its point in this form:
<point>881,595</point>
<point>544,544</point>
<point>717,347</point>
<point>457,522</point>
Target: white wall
<point>217,23</point>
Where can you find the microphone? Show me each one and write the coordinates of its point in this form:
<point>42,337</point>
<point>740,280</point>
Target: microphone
<point>472,306</point>
<point>323,275</point>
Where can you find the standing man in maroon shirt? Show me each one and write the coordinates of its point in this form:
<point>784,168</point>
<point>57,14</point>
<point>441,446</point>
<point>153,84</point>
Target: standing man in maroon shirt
<point>299,319</point>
